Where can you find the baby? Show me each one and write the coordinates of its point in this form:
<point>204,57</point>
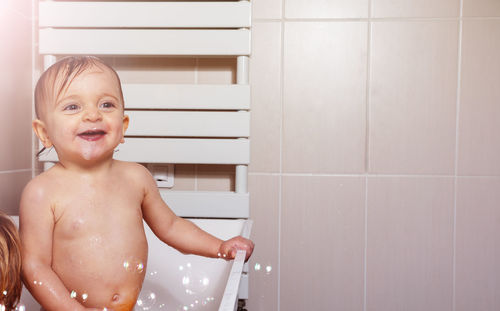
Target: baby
<point>10,264</point>
<point>81,221</point>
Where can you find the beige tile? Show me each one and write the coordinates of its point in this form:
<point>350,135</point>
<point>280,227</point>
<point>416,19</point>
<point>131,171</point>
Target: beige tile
<point>268,9</point>
<point>326,8</point>
<point>15,135</point>
<point>412,8</point>
<point>410,244</point>
<point>184,177</point>
<point>322,243</point>
<point>479,146</point>
<point>477,240</point>
<point>263,265</point>
<point>481,8</point>
<point>15,85</point>
<point>215,177</point>
<point>155,69</point>
<point>11,187</point>
<point>324,97</point>
<point>217,70</point>
<point>413,97</point>
<point>265,67</point>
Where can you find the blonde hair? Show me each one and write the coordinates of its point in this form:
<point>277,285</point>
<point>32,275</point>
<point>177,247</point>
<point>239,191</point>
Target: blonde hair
<point>10,264</point>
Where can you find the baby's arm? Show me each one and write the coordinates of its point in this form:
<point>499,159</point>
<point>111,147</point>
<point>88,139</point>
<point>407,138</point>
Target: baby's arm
<point>183,234</point>
<point>36,228</point>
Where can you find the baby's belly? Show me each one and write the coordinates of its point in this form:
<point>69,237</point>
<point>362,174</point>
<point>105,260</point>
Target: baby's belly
<point>100,273</point>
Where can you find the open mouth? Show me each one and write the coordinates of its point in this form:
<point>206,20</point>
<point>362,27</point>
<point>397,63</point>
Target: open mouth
<point>92,135</point>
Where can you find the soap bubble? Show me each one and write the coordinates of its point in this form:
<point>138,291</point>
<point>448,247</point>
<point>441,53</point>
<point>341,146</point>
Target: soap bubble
<point>194,282</point>
<point>21,307</point>
<point>146,300</point>
<point>133,265</point>
<point>268,269</point>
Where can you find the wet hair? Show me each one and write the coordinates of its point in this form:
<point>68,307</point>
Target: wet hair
<point>10,264</point>
<point>59,76</point>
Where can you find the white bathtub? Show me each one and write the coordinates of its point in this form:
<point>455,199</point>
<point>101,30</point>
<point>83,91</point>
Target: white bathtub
<point>186,282</point>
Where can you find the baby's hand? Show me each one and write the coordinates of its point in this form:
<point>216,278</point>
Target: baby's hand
<point>228,249</point>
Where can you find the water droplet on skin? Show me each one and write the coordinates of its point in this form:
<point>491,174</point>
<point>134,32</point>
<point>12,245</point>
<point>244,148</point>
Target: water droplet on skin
<point>21,307</point>
<point>5,293</point>
<point>73,294</point>
<point>85,296</point>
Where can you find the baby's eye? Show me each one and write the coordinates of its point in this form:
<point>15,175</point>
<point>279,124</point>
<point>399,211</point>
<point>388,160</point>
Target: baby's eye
<point>71,107</point>
<point>107,105</point>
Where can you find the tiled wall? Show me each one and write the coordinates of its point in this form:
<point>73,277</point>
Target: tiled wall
<point>375,175</point>
<point>15,101</point>
<point>375,167</point>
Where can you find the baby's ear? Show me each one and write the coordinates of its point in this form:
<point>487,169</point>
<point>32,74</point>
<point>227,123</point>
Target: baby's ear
<point>41,132</point>
<point>125,127</point>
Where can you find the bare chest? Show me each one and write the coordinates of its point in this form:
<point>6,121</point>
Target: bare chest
<point>88,211</point>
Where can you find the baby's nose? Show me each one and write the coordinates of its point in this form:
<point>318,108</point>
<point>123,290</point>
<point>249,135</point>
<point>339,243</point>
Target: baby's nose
<point>92,114</point>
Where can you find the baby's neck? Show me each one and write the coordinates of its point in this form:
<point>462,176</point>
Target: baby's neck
<point>88,167</point>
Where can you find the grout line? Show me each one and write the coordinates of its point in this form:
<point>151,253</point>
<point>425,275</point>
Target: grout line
<point>377,19</point>
<point>367,99</point>
<point>370,175</point>
<point>372,19</point>
<point>196,68</point>
<point>16,171</point>
<point>280,183</point>
<point>455,180</point>
<point>264,174</point>
<point>32,86</point>
<point>478,17</point>
<point>35,75</point>
<point>367,150</point>
<point>365,254</point>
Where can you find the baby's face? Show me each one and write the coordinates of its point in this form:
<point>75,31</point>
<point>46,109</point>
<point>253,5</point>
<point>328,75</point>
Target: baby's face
<point>86,121</point>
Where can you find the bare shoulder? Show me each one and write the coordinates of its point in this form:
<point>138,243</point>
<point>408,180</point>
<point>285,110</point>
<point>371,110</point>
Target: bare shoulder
<point>135,173</point>
<point>39,194</point>
<point>39,188</point>
<point>132,169</point>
